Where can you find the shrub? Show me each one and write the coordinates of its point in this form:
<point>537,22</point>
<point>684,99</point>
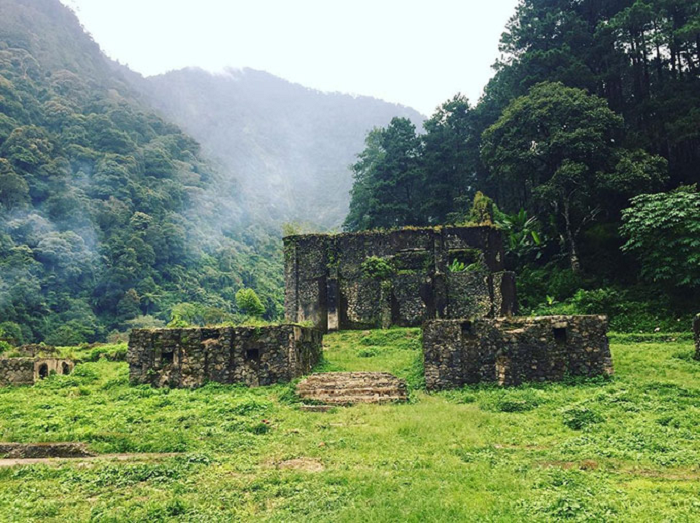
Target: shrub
<point>377,268</point>
<point>249,304</point>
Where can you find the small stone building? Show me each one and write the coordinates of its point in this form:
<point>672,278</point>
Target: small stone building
<point>27,371</point>
<point>252,356</point>
<point>511,351</point>
<point>377,279</point>
<point>696,330</point>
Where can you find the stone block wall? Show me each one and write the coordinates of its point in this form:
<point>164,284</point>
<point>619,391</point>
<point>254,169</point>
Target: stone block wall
<point>27,371</point>
<point>510,351</point>
<point>696,330</point>
<point>327,283</point>
<point>249,355</point>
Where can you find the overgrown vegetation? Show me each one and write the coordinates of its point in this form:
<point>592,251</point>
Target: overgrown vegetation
<point>586,138</point>
<point>625,448</point>
<point>109,216</point>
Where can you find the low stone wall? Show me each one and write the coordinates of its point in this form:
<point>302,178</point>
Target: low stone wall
<point>696,330</point>
<point>511,351</point>
<point>27,371</point>
<point>252,356</point>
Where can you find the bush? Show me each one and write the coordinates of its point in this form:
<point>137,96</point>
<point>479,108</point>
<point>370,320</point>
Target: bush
<point>377,268</point>
<point>249,304</point>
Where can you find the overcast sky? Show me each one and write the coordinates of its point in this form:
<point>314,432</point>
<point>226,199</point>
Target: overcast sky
<point>414,52</point>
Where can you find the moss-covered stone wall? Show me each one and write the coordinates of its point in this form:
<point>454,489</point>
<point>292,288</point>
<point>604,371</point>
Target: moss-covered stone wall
<point>252,356</point>
<point>402,277</point>
<point>510,351</point>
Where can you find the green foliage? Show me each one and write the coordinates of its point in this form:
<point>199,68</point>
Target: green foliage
<point>457,266</point>
<point>483,211</point>
<point>107,211</point>
<point>249,304</point>
<point>663,233</point>
<point>557,144</point>
<point>377,268</point>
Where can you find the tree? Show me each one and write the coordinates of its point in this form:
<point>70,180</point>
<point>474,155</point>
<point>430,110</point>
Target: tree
<point>663,233</point>
<point>249,304</point>
<point>387,188</point>
<point>555,150</point>
<point>14,191</point>
<point>449,160</point>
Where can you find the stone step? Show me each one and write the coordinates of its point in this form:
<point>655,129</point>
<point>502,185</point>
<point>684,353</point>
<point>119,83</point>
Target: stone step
<point>349,388</point>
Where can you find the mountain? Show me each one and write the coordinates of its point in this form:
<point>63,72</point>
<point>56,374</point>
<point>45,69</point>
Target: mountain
<point>110,216</point>
<point>290,147</point>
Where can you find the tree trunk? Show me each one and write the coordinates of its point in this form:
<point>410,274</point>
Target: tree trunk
<point>571,240</point>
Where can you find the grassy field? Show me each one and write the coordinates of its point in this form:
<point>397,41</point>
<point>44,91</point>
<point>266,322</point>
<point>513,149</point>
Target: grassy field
<point>623,449</point>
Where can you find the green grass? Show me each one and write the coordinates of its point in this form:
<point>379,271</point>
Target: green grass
<point>623,449</point>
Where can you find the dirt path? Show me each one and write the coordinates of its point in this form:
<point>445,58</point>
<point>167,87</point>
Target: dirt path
<point>12,462</point>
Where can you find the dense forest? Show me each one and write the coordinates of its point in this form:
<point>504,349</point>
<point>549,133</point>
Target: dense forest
<point>109,215</point>
<point>584,149</point>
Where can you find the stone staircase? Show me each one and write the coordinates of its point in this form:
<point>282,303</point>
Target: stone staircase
<point>349,388</point>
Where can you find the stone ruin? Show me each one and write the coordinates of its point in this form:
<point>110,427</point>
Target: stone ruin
<point>253,356</point>
<point>510,351</point>
<point>404,277</point>
<point>29,370</point>
<point>696,330</point>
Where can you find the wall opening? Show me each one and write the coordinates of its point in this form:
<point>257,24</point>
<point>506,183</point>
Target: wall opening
<point>167,358</point>
<point>43,371</point>
<point>65,368</point>
<point>560,335</point>
<point>468,330</point>
<point>252,354</point>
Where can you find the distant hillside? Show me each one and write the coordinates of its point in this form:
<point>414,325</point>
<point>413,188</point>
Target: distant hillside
<point>289,146</point>
<point>109,215</point>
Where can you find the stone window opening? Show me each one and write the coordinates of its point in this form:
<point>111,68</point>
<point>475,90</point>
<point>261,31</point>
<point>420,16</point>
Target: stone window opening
<point>43,371</point>
<point>560,335</point>
<point>65,368</point>
<point>167,358</point>
<point>468,330</point>
<point>252,354</point>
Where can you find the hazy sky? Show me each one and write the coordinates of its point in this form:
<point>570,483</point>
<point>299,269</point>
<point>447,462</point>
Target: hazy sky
<point>415,52</point>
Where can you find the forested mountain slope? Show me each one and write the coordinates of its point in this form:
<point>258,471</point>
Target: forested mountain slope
<point>289,146</point>
<point>108,213</point>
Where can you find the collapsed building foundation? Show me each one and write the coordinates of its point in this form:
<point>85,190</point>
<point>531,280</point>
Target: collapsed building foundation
<point>511,351</point>
<point>253,356</point>
<point>28,371</point>
<point>404,277</point>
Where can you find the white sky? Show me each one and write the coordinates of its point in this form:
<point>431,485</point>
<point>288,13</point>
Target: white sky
<point>414,52</point>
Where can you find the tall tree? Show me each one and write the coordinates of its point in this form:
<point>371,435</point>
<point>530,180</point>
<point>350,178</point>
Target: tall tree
<point>555,150</point>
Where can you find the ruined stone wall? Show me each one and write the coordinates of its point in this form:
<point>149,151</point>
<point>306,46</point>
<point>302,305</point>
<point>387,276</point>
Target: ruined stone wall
<point>511,351</point>
<point>327,282</point>
<point>27,371</point>
<point>249,355</point>
<point>696,330</point>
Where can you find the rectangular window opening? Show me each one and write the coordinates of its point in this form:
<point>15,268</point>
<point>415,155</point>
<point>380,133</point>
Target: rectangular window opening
<point>252,354</point>
<point>167,358</point>
<point>560,335</point>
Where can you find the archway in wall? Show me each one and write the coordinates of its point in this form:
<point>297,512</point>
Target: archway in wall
<point>65,368</point>
<point>43,371</point>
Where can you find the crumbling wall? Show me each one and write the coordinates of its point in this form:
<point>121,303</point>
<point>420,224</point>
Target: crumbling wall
<point>696,330</point>
<point>249,355</point>
<point>510,351</point>
<point>327,281</point>
<point>27,371</point>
